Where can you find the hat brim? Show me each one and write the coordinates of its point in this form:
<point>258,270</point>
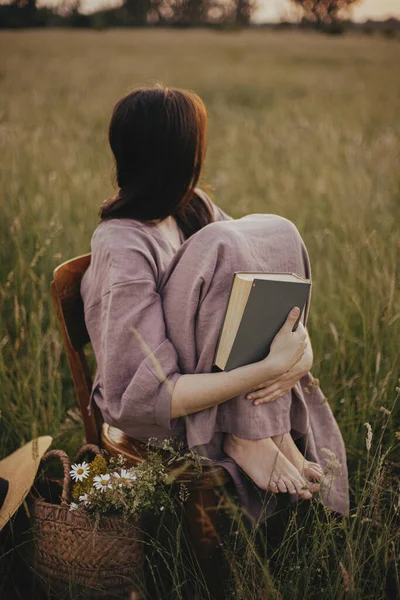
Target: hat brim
<point>20,470</point>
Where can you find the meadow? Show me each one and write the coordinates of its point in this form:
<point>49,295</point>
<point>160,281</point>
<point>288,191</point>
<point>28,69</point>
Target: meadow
<point>301,125</point>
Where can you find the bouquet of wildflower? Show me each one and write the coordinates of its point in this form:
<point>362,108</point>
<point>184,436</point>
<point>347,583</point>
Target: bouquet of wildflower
<point>110,487</point>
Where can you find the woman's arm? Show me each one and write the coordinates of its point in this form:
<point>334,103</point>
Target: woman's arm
<point>193,393</point>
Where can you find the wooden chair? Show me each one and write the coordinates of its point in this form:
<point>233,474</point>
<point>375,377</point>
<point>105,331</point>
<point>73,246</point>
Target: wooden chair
<point>65,291</point>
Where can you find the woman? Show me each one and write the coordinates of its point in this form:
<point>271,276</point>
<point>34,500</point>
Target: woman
<point>155,294</point>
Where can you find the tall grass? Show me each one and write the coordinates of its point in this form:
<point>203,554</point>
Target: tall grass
<point>300,125</point>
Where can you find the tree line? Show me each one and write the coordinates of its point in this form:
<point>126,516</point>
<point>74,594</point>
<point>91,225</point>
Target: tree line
<point>134,13</point>
<point>184,13</point>
<point>325,15</point>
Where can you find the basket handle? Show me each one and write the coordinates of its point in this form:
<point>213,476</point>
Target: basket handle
<point>90,449</point>
<point>64,459</point>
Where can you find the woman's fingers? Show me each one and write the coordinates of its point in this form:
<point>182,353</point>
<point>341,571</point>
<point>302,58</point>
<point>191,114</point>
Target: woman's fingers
<point>271,396</point>
<point>257,394</point>
<point>267,390</point>
<point>263,392</point>
<point>292,318</point>
<point>269,399</point>
<point>264,385</point>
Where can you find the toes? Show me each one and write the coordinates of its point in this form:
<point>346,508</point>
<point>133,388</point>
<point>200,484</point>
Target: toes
<point>282,486</point>
<point>313,487</point>
<point>306,494</point>
<point>314,474</point>
<point>299,485</point>
<point>315,465</point>
<point>315,469</point>
<point>273,487</point>
<point>302,489</point>
<point>290,486</point>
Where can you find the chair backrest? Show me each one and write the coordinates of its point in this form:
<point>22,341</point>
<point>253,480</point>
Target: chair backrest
<point>65,291</point>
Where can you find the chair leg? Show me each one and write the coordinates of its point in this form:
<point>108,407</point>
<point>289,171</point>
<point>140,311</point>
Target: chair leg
<point>202,522</point>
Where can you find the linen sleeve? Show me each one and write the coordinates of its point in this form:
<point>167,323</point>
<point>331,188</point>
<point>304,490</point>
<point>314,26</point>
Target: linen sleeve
<point>139,364</point>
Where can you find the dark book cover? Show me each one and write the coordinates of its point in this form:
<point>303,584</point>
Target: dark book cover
<point>267,308</point>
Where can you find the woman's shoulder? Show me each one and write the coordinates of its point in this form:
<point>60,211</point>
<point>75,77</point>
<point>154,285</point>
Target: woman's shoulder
<point>124,249</point>
<point>120,235</point>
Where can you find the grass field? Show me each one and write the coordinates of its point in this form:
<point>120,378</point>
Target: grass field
<point>301,125</point>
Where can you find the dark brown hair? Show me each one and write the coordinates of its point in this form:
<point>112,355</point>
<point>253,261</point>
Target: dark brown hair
<point>158,138</point>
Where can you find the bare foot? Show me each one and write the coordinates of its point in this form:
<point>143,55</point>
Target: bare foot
<point>309,470</point>
<point>266,465</point>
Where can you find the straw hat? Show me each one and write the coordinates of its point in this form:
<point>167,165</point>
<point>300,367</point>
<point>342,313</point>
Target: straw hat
<point>17,474</point>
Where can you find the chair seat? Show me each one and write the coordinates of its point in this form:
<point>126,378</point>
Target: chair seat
<point>115,442</point>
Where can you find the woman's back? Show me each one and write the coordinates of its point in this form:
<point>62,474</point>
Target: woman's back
<point>120,296</point>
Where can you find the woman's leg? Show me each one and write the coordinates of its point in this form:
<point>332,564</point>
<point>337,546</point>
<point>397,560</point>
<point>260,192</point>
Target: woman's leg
<point>195,292</point>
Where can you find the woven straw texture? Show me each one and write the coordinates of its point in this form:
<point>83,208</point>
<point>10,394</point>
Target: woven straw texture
<point>105,558</point>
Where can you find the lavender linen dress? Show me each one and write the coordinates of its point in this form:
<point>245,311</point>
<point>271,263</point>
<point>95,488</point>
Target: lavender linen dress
<point>154,312</point>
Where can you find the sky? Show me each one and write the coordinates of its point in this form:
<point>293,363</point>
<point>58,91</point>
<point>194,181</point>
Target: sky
<point>275,10</point>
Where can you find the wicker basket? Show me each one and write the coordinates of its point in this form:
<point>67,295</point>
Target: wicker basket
<point>103,561</point>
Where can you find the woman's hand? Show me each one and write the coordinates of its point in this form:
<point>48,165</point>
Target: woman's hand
<point>287,347</point>
<point>272,390</point>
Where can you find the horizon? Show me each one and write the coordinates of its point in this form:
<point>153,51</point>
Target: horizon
<point>269,11</point>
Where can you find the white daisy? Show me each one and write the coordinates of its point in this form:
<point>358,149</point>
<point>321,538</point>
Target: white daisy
<point>85,499</point>
<point>79,472</point>
<point>124,477</point>
<point>101,482</point>
<point>73,506</point>
<point>125,474</point>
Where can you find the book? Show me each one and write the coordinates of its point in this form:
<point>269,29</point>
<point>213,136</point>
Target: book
<point>258,306</point>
